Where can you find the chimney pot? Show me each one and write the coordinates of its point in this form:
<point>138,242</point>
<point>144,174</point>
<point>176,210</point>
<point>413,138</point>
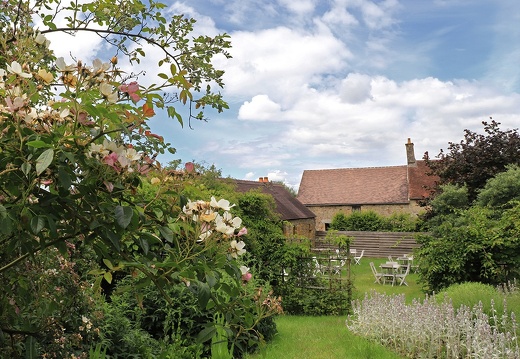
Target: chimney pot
<point>410,154</point>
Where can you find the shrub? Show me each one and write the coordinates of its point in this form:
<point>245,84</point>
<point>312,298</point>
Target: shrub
<point>360,221</point>
<point>139,321</point>
<point>470,294</point>
<point>306,293</point>
<point>427,329</point>
<point>371,221</point>
<point>478,245</point>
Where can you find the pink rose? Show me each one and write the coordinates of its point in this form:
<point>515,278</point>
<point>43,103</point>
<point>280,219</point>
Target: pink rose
<point>247,277</point>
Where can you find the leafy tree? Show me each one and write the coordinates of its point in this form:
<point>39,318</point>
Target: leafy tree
<point>501,190</point>
<point>477,158</point>
<point>477,246</point>
<point>477,242</point>
<point>450,199</point>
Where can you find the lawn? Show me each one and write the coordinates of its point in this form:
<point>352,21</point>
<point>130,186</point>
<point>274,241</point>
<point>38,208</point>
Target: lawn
<point>364,281</point>
<point>319,338</point>
<point>327,337</point>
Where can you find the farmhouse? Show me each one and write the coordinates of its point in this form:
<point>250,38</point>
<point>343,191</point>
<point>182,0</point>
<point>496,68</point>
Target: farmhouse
<point>384,190</point>
<point>299,220</point>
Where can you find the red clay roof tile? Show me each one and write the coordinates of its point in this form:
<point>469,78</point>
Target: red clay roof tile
<point>371,185</point>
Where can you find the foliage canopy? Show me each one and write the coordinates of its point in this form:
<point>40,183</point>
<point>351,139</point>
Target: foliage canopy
<point>477,158</point>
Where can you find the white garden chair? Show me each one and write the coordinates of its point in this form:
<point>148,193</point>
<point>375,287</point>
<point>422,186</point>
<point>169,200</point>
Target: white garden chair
<point>318,268</point>
<point>377,275</point>
<point>357,259</point>
<point>401,277</point>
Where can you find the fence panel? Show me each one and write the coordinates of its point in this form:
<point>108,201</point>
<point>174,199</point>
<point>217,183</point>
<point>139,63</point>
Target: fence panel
<point>375,244</point>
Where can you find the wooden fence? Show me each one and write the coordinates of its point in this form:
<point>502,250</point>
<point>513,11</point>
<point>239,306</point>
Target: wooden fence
<point>375,244</point>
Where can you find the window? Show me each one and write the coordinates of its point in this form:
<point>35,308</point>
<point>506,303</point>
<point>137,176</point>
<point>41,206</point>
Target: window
<point>356,208</point>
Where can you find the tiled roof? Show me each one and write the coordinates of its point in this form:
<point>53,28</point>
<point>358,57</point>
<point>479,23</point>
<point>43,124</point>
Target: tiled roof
<point>351,186</point>
<point>286,204</point>
<point>419,181</point>
<point>358,186</point>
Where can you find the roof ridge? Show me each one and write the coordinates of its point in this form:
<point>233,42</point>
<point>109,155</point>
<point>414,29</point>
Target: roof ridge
<point>357,168</point>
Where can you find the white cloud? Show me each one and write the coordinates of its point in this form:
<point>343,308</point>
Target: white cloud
<point>300,7</point>
<point>355,88</point>
<point>260,108</point>
<point>280,61</point>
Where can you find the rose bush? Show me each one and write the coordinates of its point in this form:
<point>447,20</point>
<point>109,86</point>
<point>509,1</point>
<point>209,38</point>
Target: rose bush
<point>75,153</point>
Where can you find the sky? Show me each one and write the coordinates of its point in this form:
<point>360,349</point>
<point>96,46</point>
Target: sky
<point>344,83</point>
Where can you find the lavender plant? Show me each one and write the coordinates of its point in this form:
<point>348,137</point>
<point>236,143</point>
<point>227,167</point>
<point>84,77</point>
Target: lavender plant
<point>428,329</point>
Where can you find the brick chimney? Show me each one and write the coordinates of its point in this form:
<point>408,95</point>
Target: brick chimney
<point>410,154</point>
<point>263,179</point>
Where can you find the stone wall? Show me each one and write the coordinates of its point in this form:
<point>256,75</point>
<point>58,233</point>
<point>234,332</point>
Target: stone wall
<point>300,228</point>
<point>324,214</point>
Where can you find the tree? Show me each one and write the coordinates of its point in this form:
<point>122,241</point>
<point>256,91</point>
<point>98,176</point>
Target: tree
<point>477,242</point>
<point>476,246</point>
<point>502,190</point>
<point>477,158</point>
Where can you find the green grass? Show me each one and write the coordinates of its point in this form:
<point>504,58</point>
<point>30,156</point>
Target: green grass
<point>319,338</point>
<point>364,281</point>
<point>327,337</point>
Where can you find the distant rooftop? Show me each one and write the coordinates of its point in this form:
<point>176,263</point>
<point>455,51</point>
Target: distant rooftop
<point>287,205</point>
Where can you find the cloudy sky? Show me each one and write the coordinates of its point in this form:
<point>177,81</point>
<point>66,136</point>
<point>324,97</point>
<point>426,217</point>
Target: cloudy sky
<point>319,84</point>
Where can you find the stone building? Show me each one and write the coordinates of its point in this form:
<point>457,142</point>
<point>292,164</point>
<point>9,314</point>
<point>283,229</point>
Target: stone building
<point>299,221</point>
<point>384,190</point>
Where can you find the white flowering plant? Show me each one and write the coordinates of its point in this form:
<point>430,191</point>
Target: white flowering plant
<point>75,148</point>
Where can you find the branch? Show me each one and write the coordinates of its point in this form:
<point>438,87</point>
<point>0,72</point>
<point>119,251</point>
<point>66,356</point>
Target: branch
<point>49,244</point>
<point>120,33</point>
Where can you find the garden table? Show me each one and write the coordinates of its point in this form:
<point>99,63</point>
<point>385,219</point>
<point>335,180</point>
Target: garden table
<point>389,270</point>
<point>407,260</point>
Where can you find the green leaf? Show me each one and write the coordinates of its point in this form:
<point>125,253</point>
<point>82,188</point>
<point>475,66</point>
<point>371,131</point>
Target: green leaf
<point>6,227</point>
<point>203,294</point>
<point>26,168</point>
<point>114,239</point>
<point>150,237</point>
<point>31,348</point>
<point>64,178</point>
<point>62,247</point>
<point>96,272</point>
<point>144,245</point>
<point>206,334</point>
<point>211,278</point>
<point>52,227</point>
<point>37,224</point>
<point>44,160</point>
<point>3,212</point>
<point>123,215</point>
<point>38,144</point>
<point>167,233</point>
<point>108,277</point>
<point>141,283</point>
<point>108,263</point>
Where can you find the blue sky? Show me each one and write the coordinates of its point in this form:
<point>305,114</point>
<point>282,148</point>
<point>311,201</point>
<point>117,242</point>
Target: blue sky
<point>343,83</point>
